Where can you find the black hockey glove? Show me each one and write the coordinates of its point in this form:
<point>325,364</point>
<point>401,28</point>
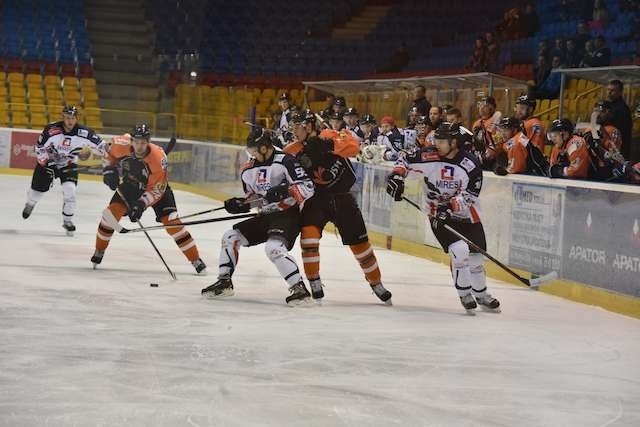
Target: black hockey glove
<point>501,170</point>
<point>50,169</point>
<point>563,160</point>
<point>556,171</point>
<point>136,210</point>
<point>443,216</point>
<point>277,193</point>
<point>395,186</point>
<point>110,177</point>
<point>236,205</point>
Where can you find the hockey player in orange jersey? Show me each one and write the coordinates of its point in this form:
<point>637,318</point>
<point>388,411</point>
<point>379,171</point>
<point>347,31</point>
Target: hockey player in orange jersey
<point>514,147</point>
<point>326,160</point>
<point>533,127</point>
<point>145,183</point>
<point>570,155</point>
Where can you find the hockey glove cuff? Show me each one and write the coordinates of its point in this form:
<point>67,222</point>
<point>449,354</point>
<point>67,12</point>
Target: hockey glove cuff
<point>136,210</point>
<point>443,216</point>
<point>110,177</point>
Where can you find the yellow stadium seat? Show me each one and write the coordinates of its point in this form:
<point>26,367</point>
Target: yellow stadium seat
<point>38,120</point>
<point>70,82</point>
<point>3,91</point>
<point>90,103</point>
<point>17,91</point>
<point>88,82</point>
<point>4,118</point>
<point>16,78</point>
<point>51,80</point>
<point>94,123</point>
<point>90,95</point>
<point>38,108</point>
<point>19,119</point>
<point>34,79</point>
<point>3,77</point>
<point>35,92</point>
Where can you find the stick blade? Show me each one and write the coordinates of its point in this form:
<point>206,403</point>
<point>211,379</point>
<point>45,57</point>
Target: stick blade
<point>545,278</point>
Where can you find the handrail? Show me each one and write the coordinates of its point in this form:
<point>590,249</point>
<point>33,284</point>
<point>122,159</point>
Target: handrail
<point>548,110</point>
<point>588,91</point>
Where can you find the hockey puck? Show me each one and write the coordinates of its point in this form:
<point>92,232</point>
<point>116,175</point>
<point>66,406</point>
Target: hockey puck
<point>153,285</point>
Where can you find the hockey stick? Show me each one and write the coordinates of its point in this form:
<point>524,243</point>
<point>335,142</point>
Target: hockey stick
<point>173,276</point>
<point>120,229</point>
<point>200,213</point>
<point>533,283</point>
<point>170,146</point>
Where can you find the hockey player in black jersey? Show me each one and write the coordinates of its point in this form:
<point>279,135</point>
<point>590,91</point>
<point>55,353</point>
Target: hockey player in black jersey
<point>453,180</point>
<point>57,153</point>
<point>277,184</point>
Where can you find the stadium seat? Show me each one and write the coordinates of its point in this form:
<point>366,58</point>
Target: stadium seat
<point>19,119</point>
<point>38,120</point>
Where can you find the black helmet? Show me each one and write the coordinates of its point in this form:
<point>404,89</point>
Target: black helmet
<point>70,110</point>
<point>560,125</point>
<point>284,96</point>
<point>509,122</point>
<point>258,137</point>
<point>526,100</point>
<point>603,105</point>
<point>340,101</point>
<point>305,116</point>
<point>351,111</point>
<point>336,115</point>
<point>445,108</point>
<point>414,109</point>
<point>141,131</point>
<point>368,119</point>
<point>448,130</point>
<point>423,120</point>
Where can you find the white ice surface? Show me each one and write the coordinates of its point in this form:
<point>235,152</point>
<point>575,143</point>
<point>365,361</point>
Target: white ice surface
<point>84,347</point>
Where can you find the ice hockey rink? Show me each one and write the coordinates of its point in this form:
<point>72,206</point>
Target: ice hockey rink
<point>101,347</point>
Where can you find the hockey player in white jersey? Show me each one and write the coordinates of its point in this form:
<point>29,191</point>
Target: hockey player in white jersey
<point>276,183</point>
<point>57,153</point>
<point>453,180</point>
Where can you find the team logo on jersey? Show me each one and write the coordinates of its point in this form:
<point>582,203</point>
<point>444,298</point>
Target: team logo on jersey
<point>446,173</point>
<point>83,133</point>
<point>261,178</point>
<point>66,142</point>
<point>467,164</point>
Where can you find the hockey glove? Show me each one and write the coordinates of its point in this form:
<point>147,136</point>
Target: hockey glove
<point>136,210</point>
<point>501,170</point>
<point>110,177</point>
<point>50,169</point>
<point>563,160</point>
<point>395,186</point>
<point>236,205</point>
<point>442,217</point>
<point>277,193</point>
<point>556,171</point>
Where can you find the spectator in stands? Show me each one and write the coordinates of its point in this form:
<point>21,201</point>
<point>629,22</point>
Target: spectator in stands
<point>529,20</point>
<point>621,115</point>
<point>601,56</point>
<point>532,126</point>
<point>454,115</point>
<point>601,16</point>
<point>543,49</point>
<point>510,26</point>
<point>492,52</point>
<point>512,157</point>
<point>583,35</point>
<point>478,60</point>
<point>420,100</point>
<point>550,88</point>
<point>572,55</point>
<point>587,57</point>
<point>558,49</point>
<point>541,70</point>
<point>569,156</point>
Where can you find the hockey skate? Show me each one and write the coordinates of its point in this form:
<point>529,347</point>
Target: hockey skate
<point>69,227</point>
<point>488,303</point>
<point>382,293</point>
<point>222,288</point>
<point>316,289</point>
<point>97,258</point>
<point>200,266</point>
<point>469,303</point>
<point>299,294</point>
<point>26,212</point>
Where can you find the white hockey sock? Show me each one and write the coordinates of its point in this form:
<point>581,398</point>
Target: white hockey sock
<point>68,200</point>
<point>231,242</point>
<point>459,254</point>
<point>279,255</point>
<point>478,276</point>
<point>34,196</point>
